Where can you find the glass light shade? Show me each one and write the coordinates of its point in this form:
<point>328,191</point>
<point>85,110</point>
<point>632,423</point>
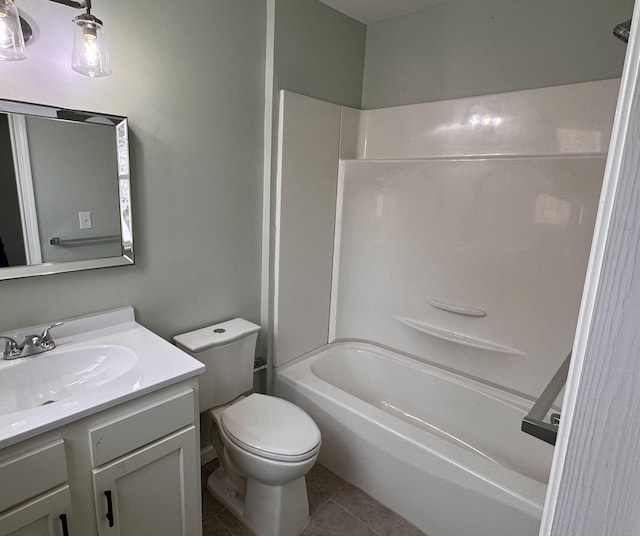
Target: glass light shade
<point>90,49</point>
<point>11,38</point>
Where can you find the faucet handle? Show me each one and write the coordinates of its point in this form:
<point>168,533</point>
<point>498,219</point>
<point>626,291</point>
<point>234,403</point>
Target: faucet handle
<point>11,348</point>
<point>46,341</point>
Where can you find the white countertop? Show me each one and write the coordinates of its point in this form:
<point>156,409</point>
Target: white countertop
<point>158,364</point>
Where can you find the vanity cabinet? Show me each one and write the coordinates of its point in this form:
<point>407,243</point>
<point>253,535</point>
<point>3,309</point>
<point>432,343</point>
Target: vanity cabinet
<point>131,470</point>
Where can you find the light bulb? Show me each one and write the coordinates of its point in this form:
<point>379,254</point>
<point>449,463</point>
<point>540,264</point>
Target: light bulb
<point>11,39</point>
<point>6,35</point>
<point>90,52</point>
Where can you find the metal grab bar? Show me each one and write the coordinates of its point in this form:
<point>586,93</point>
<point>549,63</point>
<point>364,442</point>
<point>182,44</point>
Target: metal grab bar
<point>534,423</point>
<point>57,241</point>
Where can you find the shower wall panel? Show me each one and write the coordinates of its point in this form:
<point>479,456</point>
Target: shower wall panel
<point>464,229</point>
<point>308,148</point>
<point>573,119</point>
<point>473,264</point>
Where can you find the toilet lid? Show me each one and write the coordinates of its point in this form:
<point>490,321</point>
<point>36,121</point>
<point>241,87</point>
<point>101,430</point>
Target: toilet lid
<point>270,426</point>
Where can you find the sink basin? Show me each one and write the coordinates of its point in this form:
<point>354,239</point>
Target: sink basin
<point>102,360</point>
<point>61,374</point>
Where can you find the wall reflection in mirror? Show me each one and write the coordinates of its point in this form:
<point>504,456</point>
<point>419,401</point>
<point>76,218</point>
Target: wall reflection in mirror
<point>64,190</point>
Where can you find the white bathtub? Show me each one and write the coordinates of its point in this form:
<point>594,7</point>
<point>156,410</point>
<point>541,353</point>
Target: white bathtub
<point>444,451</point>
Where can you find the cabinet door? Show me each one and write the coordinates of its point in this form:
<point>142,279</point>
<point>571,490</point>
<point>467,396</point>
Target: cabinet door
<point>153,491</point>
<point>46,515</point>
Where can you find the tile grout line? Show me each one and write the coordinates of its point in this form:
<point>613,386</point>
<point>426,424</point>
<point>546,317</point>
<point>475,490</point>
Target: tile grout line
<point>330,499</point>
<point>345,509</point>
<point>370,527</point>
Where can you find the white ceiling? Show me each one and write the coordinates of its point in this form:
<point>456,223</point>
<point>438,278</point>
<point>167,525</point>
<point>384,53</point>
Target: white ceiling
<point>370,11</point>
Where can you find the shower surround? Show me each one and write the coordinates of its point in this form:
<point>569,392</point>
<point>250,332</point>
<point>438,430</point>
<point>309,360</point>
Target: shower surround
<point>456,233</point>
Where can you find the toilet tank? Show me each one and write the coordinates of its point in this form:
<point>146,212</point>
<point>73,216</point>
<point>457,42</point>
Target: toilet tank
<point>227,350</point>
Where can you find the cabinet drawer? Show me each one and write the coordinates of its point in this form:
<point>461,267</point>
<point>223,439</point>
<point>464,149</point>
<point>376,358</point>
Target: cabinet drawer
<point>133,430</point>
<point>31,473</point>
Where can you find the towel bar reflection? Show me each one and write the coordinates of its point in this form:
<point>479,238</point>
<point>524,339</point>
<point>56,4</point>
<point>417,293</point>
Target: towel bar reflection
<point>534,423</point>
<point>89,241</point>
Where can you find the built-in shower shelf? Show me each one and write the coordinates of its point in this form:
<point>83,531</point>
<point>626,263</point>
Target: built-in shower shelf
<point>456,337</point>
<point>457,308</point>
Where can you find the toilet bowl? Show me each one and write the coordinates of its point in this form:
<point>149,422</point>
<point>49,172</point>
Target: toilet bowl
<point>265,445</point>
<point>269,445</point>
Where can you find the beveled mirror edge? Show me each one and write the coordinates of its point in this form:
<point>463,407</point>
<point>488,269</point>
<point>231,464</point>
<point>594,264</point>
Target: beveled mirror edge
<point>124,190</point>
<point>54,112</point>
<point>50,268</point>
<point>121,125</point>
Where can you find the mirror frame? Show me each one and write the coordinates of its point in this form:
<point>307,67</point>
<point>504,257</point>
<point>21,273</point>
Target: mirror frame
<point>120,124</point>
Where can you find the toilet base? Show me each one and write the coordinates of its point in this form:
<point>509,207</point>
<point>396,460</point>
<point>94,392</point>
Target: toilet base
<point>222,489</point>
<point>265,510</point>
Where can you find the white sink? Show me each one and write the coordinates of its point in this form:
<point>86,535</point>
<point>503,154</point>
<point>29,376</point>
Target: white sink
<point>101,360</point>
<point>62,373</point>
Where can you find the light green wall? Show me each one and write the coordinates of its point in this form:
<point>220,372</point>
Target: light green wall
<point>191,82</point>
<point>473,47</point>
<point>318,52</point>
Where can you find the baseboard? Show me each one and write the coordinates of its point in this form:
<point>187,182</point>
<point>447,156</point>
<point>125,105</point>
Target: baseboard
<point>207,454</point>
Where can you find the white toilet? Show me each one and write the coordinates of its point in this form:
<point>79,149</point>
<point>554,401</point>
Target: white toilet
<point>265,444</point>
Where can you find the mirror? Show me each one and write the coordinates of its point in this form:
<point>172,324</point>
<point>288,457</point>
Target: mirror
<point>64,190</point>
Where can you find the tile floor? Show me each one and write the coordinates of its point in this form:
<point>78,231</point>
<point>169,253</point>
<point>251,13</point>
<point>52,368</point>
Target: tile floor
<point>337,509</point>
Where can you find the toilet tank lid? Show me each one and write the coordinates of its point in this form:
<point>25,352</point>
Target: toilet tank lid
<point>216,335</point>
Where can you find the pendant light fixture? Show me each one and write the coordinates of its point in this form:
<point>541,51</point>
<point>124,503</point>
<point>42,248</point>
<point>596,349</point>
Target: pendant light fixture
<point>90,50</point>
<point>90,54</point>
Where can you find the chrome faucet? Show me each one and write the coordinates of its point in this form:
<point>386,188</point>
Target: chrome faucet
<point>31,345</point>
<point>11,348</point>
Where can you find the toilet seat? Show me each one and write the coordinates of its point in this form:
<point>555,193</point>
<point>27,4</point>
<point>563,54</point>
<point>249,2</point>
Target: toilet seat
<point>271,427</point>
